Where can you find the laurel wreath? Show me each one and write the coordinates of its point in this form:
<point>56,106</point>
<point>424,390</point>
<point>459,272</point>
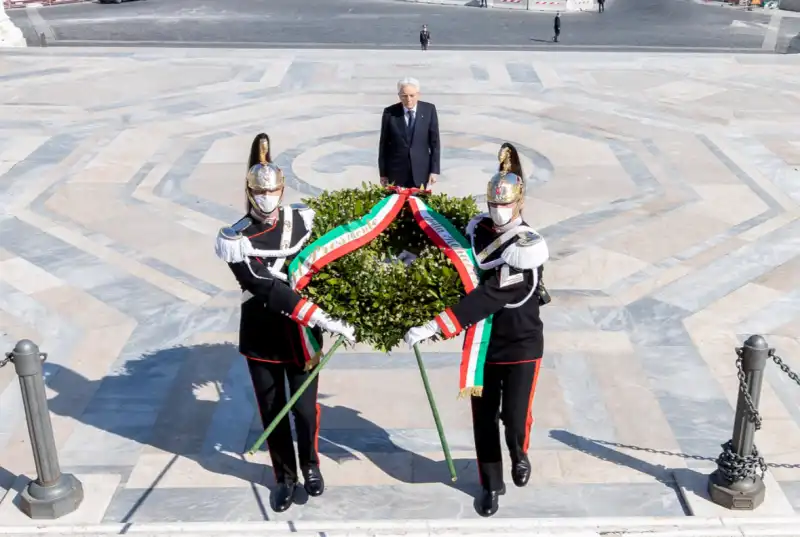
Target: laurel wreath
<point>397,281</point>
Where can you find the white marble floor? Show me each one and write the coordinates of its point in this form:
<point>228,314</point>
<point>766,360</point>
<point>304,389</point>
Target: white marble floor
<point>667,186</point>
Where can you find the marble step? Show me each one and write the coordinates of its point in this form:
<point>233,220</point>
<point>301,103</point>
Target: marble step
<point>744,525</point>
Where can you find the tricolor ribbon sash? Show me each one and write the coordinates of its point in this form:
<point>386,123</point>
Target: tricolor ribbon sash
<point>457,248</point>
<point>349,237</point>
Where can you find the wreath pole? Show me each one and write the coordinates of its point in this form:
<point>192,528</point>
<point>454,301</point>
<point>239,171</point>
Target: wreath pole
<point>435,411</point>
<point>303,387</point>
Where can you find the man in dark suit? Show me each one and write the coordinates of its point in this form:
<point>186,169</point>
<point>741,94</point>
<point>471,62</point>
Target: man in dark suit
<point>408,153</point>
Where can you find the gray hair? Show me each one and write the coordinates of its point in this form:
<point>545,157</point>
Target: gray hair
<point>407,81</point>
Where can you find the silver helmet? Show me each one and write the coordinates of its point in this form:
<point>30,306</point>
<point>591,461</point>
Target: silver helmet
<point>265,184</point>
<point>505,188</point>
<point>264,178</point>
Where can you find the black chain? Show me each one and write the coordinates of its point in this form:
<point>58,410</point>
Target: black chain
<point>10,358</point>
<point>751,409</point>
<point>731,465</point>
<point>677,454</point>
<point>785,368</point>
<point>653,450</point>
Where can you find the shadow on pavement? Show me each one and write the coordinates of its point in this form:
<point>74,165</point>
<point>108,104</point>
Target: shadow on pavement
<point>375,444</point>
<point>7,480</point>
<point>169,399</point>
<point>662,474</point>
<point>152,401</point>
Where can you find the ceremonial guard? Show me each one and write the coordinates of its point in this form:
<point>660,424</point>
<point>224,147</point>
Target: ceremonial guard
<point>277,324</point>
<point>509,254</point>
<point>510,162</point>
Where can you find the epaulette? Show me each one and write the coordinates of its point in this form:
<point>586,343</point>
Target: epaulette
<point>528,251</point>
<point>234,231</point>
<point>474,223</point>
<point>306,213</point>
<point>231,245</point>
<point>528,238</point>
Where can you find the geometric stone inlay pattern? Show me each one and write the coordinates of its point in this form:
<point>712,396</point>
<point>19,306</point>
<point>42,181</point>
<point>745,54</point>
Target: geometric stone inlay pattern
<point>669,194</point>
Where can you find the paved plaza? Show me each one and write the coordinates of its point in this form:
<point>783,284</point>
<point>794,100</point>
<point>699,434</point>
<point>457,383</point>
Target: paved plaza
<point>680,25</point>
<point>666,185</point>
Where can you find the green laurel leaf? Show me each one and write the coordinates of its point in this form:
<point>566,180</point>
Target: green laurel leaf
<point>372,290</point>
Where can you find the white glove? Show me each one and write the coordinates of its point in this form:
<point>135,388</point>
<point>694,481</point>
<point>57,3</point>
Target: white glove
<point>342,328</point>
<point>421,333</point>
<point>321,319</point>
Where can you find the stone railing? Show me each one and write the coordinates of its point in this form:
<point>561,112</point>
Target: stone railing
<point>10,35</point>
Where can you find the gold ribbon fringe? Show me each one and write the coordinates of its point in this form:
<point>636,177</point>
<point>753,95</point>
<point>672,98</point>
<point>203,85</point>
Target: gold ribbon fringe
<point>312,362</point>
<point>475,391</point>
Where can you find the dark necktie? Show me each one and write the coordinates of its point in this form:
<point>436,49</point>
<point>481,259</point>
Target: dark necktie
<point>410,122</point>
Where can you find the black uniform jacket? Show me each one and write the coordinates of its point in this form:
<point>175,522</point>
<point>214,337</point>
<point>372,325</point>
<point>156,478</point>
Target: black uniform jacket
<point>271,310</point>
<point>506,290</point>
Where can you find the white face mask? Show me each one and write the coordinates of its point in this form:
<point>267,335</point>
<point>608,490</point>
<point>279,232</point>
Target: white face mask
<point>501,215</point>
<point>267,203</point>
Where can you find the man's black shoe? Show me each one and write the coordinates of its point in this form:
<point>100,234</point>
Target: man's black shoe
<point>314,484</point>
<point>521,472</point>
<point>489,501</point>
<point>284,496</point>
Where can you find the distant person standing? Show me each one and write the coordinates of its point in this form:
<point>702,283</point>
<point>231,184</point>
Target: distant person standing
<point>484,3</point>
<point>556,27</point>
<point>424,37</point>
<point>601,5</point>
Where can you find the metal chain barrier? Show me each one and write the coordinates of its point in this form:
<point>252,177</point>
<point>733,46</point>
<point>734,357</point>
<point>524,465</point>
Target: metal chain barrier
<point>752,411</point>
<point>677,454</point>
<point>785,368</point>
<point>52,494</point>
<point>731,465</point>
<point>734,467</point>
<point>10,358</point>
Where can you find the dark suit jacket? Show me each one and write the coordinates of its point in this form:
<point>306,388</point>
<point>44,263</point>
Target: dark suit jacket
<point>408,161</point>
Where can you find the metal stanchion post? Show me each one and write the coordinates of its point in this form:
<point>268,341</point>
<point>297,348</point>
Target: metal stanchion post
<point>736,484</point>
<point>52,494</point>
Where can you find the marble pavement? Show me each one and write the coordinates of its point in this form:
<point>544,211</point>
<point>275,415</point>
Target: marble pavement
<point>667,186</point>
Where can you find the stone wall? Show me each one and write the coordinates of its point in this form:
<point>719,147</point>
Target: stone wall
<point>789,5</point>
